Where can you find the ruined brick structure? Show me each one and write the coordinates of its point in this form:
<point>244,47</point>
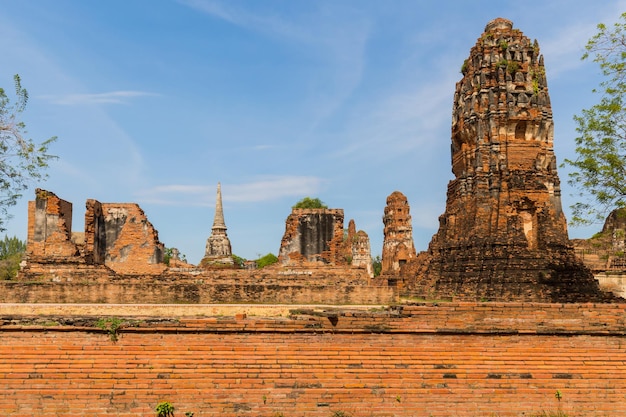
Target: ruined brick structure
<point>503,235</point>
<point>615,227</point>
<point>316,237</point>
<point>218,249</point>
<point>118,239</point>
<point>50,228</point>
<point>131,243</point>
<point>313,235</point>
<point>358,248</point>
<point>604,253</point>
<point>398,247</point>
<point>119,259</point>
<point>605,250</point>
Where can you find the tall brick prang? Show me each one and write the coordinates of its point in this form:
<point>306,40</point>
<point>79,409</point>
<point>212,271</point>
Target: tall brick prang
<point>398,247</point>
<point>503,235</point>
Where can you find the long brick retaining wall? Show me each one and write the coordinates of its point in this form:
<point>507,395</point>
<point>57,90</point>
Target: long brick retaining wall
<point>148,291</point>
<point>449,359</point>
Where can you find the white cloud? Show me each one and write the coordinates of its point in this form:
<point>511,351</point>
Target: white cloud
<point>273,188</point>
<point>263,189</point>
<point>112,97</point>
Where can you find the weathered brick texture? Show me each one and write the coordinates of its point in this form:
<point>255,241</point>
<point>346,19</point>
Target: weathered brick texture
<point>118,238</point>
<point>503,235</point>
<point>431,360</point>
<point>81,284</point>
<point>313,236</point>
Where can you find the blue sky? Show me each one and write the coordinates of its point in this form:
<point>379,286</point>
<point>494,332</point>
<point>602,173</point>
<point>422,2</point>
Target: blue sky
<point>155,102</point>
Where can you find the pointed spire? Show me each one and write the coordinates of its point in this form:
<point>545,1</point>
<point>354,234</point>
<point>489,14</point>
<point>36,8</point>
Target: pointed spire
<point>218,222</point>
<point>218,249</point>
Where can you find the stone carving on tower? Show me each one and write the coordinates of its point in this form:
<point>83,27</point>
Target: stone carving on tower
<point>398,247</point>
<point>503,235</point>
<point>218,250</point>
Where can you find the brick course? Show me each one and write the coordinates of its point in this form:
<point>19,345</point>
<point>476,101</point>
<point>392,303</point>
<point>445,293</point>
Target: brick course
<point>461,359</point>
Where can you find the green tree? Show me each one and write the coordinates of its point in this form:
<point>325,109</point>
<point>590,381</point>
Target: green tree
<point>600,166</point>
<point>168,255</point>
<point>11,252</point>
<point>21,159</point>
<point>377,265</point>
<point>266,260</point>
<point>310,203</point>
<point>239,261</point>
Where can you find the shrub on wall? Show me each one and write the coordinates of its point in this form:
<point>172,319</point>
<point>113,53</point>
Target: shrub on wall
<point>266,260</point>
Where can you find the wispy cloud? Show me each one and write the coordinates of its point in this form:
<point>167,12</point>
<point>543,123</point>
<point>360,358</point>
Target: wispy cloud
<point>262,189</point>
<point>273,188</point>
<point>112,97</point>
<point>563,52</point>
<point>401,120</point>
<point>268,24</point>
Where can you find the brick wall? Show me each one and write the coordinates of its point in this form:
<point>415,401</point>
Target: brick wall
<point>98,284</point>
<point>457,359</point>
<point>146,292</point>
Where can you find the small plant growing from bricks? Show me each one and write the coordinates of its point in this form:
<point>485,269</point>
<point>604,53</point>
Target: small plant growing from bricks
<point>558,397</point>
<point>559,413</point>
<point>111,325</point>
<point>165,409</point>
<point>340,413</point>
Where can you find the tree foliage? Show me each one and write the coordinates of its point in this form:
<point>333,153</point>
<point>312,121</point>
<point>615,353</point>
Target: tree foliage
<point>310,203</point>
<point>600,167</point>
<point>377,265</point>
<point>239,261</point>
<point>21,159</point>
<point>168,255</point>
<point>11,251</point>
<point>266,260</point>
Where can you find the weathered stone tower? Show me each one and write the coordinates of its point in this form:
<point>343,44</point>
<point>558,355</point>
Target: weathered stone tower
<point>398,247</point>
<point>218,249</point>
<point>503,235</point>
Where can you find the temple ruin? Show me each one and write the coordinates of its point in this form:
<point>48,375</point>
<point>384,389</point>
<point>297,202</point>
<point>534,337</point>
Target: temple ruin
<point>313,235</point>
<point>358,249</point>
<point>218,249</point>
<point>503,235</point>
<point>604,253</point>
<point>605,250</point>
<point>398,247</point>
<point>117,239</point>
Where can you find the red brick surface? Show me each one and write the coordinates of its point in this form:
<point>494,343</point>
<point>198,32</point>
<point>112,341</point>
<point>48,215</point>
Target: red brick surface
<point>458,359</point>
